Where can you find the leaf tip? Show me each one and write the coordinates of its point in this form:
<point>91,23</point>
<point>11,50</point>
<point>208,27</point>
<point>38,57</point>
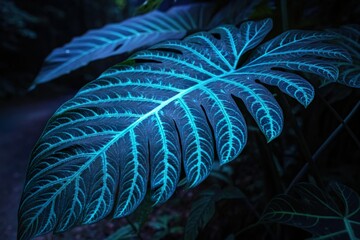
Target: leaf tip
<point>272,136</point>
<point>32,87</point>
<point>307,102</point>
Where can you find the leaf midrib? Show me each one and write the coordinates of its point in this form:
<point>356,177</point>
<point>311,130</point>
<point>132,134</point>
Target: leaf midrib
<point>133,125</point>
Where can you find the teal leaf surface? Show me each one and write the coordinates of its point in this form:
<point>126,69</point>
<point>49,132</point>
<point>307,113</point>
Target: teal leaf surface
<point>349,38</point>
<point>134,33</point>
<point>137,124</point>
<point>327,215</point>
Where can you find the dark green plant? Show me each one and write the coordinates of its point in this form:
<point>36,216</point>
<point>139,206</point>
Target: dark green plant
<point>203,209</point>
<point>327,215</point>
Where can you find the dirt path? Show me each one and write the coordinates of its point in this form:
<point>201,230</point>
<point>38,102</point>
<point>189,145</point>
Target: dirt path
<point>21,123</point>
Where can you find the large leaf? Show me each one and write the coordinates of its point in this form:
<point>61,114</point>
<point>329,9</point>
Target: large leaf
<point>203,209</point>
<point>143,121</point>
<point>327,215</point>
<point>137,32</point>
<point>349,38</point>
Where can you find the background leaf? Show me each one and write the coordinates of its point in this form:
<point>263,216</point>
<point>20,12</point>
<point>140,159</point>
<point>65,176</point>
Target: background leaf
<point>327,215</point>
<point>125,232</point>
<point>114,39</point>
<point>148,5</point>
<point>349,73</point>
<point>203,209</point>
<point>137,32</point>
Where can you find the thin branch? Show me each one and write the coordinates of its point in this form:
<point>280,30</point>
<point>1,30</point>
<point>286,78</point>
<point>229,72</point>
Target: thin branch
<point>339,118</point>
<point>272,176</point>
<point>301,140</point>
<point>323,146</point>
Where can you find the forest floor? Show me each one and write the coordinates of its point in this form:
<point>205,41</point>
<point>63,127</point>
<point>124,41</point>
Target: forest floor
<point>21,123</point>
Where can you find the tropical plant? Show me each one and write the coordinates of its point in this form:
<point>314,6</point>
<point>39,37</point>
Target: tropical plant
<point>145,117</point>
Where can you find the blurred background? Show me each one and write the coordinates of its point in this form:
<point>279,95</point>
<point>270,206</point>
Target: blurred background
<point>30,30</point>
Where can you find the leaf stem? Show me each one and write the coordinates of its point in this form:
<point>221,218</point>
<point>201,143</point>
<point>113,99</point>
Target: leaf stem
<point>323,146</point>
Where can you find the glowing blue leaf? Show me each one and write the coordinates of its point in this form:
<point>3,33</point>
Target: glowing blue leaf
<point>114,39</point>
<point>174,105</point>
